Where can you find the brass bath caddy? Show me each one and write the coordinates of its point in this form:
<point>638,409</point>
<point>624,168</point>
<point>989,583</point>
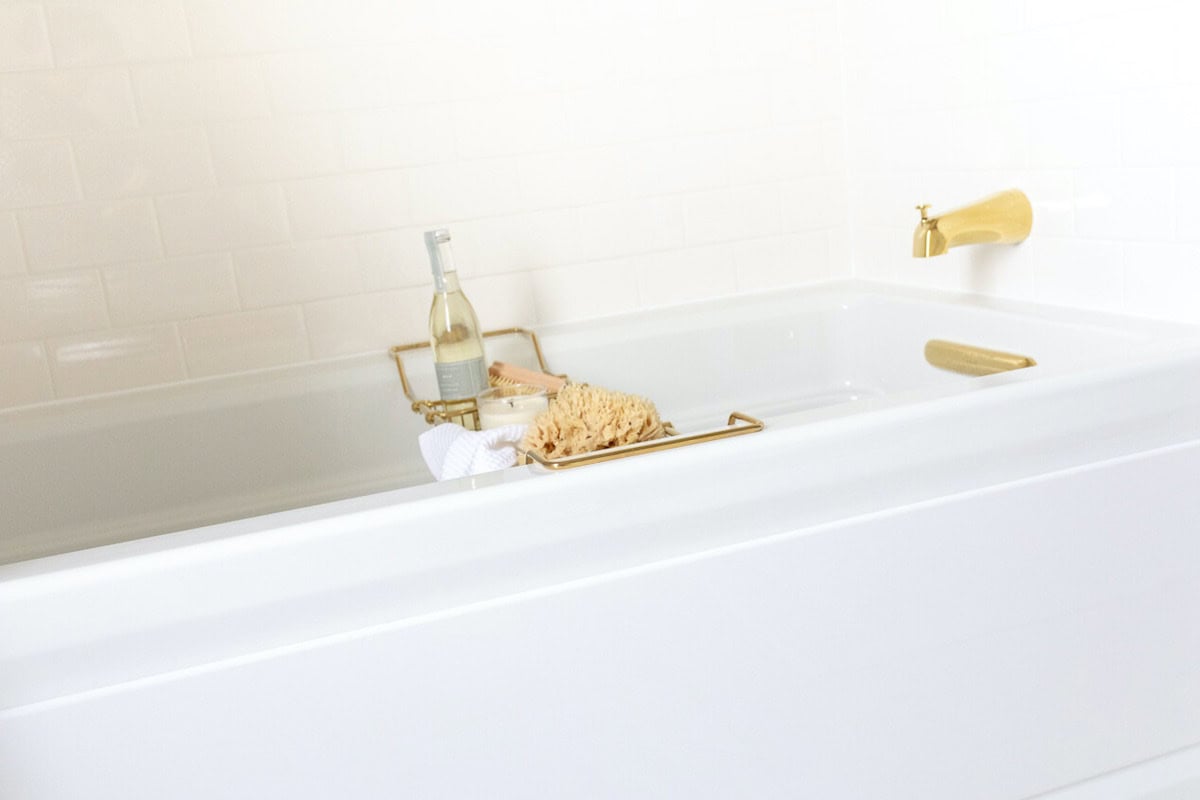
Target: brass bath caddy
<point>461,412</point>
<point>466,413</point>
<point>739,425</point>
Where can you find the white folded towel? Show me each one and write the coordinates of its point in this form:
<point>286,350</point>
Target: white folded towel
<point>452,451</point>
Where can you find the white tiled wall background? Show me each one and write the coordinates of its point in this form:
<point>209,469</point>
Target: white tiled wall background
<point>1093,108</point>
<point>197,187</point>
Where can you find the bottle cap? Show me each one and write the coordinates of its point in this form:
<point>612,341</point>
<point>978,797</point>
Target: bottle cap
<point>433,243</point>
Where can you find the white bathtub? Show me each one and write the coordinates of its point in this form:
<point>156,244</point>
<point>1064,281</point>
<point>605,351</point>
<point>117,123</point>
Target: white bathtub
<point>911,584</point>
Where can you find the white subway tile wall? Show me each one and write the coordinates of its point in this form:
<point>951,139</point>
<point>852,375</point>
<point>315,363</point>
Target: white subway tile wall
<point>197,187</point>
<point>192,188</point>
<point>1093,108</point>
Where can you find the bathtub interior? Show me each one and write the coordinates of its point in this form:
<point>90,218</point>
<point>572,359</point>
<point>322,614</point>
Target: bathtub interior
<point>783,353</point>
<point>83,473</point>
<point>103,470</point>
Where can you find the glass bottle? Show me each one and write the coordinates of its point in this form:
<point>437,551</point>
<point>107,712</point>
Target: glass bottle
<point>453,327</point>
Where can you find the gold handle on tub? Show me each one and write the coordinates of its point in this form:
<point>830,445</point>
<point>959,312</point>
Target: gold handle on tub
<point>966,359</point>
<point>748,425</point>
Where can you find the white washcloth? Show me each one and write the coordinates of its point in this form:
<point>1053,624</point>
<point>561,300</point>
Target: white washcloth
<point>452,451</point>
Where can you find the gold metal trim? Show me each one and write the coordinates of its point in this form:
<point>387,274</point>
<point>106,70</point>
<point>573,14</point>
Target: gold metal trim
<point>751,425</point>
<point>464,412</point>
<point>967,359</point>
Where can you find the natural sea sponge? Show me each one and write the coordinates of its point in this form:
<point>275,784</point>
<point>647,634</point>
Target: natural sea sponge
<point>584,418</point>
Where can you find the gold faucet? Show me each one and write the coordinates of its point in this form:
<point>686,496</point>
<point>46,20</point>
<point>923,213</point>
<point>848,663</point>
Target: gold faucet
<point>1004,218</point>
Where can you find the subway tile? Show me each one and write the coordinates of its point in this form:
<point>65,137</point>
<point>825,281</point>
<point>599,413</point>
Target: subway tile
<point>51,305</point>
<point>774,154</point>
<point>143,163</point>
<point>12,253</point>
<point>630,227</point>
<point>109,361</point>
<point>172,290</point>
<point>222,220</point>
<point>1107,201</point>
<point>220,27</point>
<point>1163,280</point>
<point>345,204</point>
<point>575,177</point>
<point>37,104</point>
<point>985,18</point>
<point>315,81</point>
<point>244,341</point>
<point>584,291</point>
<point>395,259</point>
<point>774,41</point>
<point>1010,272</point>
<point>604,115</point>
<point>1057,61</point>
<point>367,322</point>
<point>903,148</point>
<point>833,145</point>
<point>36,173</point>
<point>90,234</point>
<point>24,374</point>
<point>996,137</point>
<point>444,193</point>
<point>502,301</point>
<point>538,59</point>
<point>683,276</point>
<point>91,32</point>
<point>817,202</point>
<point>806,93</point>
<point>1082,274</point>
<point>778,261</point>
<point>272,150</point>
<point>1074,132</point>
<point>882,199</point>
<point>205,90</point>
<point>402,137</point>
<point>841,251</point>
<point>341,79</point>
<point>502,126</point>
<point>297,273</point>
<point>683,48</point>
<point>23,42</point>
<point>374,321</point>
<point>883,253</point>
<point>722,103</point>
<point>1063,12</point>
<point>746,212</point>
<point>883,25</point>
<point>677,165</point>
<point>1159,128</point>
<point>517,243</point>
<point>881,80</point>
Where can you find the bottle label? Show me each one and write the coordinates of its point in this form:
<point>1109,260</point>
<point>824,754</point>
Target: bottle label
<point>461,379</point>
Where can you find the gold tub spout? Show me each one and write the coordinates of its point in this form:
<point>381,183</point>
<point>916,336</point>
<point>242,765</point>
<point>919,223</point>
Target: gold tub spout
<point>1004,218</point>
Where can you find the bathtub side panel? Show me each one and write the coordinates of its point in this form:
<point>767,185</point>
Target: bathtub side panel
<point>997,644</point>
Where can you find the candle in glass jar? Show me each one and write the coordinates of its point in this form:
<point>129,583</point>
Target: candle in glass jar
<point>510,405</point>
